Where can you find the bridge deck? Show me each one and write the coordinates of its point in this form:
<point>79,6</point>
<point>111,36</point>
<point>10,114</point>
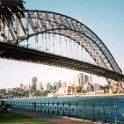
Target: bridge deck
<point>10,51</point>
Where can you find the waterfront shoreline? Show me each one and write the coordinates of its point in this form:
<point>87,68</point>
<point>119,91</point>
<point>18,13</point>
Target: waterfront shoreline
<point>90,107</point>
<point>95,95</point>
<point>87,95</point>
<point>69,96</point>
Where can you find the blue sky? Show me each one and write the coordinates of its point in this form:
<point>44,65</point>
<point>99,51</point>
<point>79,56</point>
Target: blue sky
<point>104,17</point>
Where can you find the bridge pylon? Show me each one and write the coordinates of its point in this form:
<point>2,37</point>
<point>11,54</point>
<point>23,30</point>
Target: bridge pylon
<point>115,86</point>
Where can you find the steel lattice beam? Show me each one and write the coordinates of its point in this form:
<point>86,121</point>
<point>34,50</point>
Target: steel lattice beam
<point>50,22</point>
<point>24,54</point>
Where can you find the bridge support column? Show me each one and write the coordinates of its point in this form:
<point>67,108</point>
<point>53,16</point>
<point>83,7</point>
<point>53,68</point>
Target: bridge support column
<point>115,86</point>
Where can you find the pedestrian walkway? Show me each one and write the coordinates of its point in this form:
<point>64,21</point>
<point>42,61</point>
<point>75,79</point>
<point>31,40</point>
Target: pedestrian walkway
<point>55,119</point>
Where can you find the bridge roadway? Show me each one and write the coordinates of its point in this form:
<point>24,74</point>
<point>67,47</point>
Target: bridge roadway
<point>15,52</point>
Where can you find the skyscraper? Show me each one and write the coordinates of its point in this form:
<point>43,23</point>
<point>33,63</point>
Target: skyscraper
<point>48,86</point>
<point>86,79</point>
<point>57,85</point>
<point>39,86</point>
<point>81,79</point>
<point>34,81</point>
<point>21,85</point>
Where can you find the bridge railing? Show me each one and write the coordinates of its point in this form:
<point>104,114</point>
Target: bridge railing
<point>101,111</point>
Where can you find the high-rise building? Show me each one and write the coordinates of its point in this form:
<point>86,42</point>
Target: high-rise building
<point>26,87</point>
<point>39,86</point>
<point>21,85</point>
<point>57,85</point>
<point>82,79</point>
<point>86,79</point>
<point>34,81</point>
<point>90,79</point>
<point>48,86</point>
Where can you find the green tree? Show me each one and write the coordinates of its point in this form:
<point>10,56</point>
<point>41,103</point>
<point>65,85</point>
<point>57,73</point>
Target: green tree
<point>10,7</point>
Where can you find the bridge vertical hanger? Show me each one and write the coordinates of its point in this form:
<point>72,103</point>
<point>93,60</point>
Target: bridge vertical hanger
<point>60,36</point>
<point>36,29</point>
<point>45,41</point>
<point>16,28</point>
<point>53,40</point>
<point>79,50</point>
<point>53,34</point>
<point>49,41</point>
<point>70,48</point>
<point>42,42</point>
<point>2,28</point>
<point>27,27</point>
<point>74,49</point>
<point>9,33</point>
<point>66,52</point>
<point>45,35</point>
<point>7,26</point>
<point>44,23</point>
<point>89,47</point>
<point>60,41</point>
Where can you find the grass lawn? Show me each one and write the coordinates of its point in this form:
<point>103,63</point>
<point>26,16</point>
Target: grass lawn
<point>12,118</point>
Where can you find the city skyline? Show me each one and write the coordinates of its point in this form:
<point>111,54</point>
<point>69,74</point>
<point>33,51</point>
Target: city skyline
<point>105,18</point>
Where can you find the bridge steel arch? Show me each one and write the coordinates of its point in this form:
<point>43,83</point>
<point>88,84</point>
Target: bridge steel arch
<point>51,22</point>
<point>38,22</point>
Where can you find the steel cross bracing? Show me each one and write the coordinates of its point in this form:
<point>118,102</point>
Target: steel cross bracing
<point>39,22</point>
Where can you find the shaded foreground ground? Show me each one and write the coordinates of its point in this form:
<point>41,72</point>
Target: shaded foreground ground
<point>13,118</point>
<point>54,119</point>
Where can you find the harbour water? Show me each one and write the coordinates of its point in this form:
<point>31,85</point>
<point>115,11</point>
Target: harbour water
<point>108,109</point>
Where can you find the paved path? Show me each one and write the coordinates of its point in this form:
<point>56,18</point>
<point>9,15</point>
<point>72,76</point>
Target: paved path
<point>55,119</point>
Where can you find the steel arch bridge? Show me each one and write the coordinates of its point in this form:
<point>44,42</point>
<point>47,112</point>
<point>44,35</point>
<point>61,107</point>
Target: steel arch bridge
<point>49,24</point>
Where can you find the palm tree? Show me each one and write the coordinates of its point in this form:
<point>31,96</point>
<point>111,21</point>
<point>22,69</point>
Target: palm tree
<point>10,7</point>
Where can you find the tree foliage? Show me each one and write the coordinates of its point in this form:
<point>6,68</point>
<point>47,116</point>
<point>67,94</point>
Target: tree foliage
<point>10,7</point>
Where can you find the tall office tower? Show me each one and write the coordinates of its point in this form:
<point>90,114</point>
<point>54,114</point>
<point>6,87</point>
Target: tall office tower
<point>39,86</point>
<point>80,79</point>
<point>90,79</point>
<point>57,85</point>
<point>86,79</point>
<point>48,86</point>
<point>34,81</point>
<point>21,85</point>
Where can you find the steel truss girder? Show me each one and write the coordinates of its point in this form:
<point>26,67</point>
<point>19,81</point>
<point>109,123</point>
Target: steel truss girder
<point>51,22</point>
<point>24,54</point>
